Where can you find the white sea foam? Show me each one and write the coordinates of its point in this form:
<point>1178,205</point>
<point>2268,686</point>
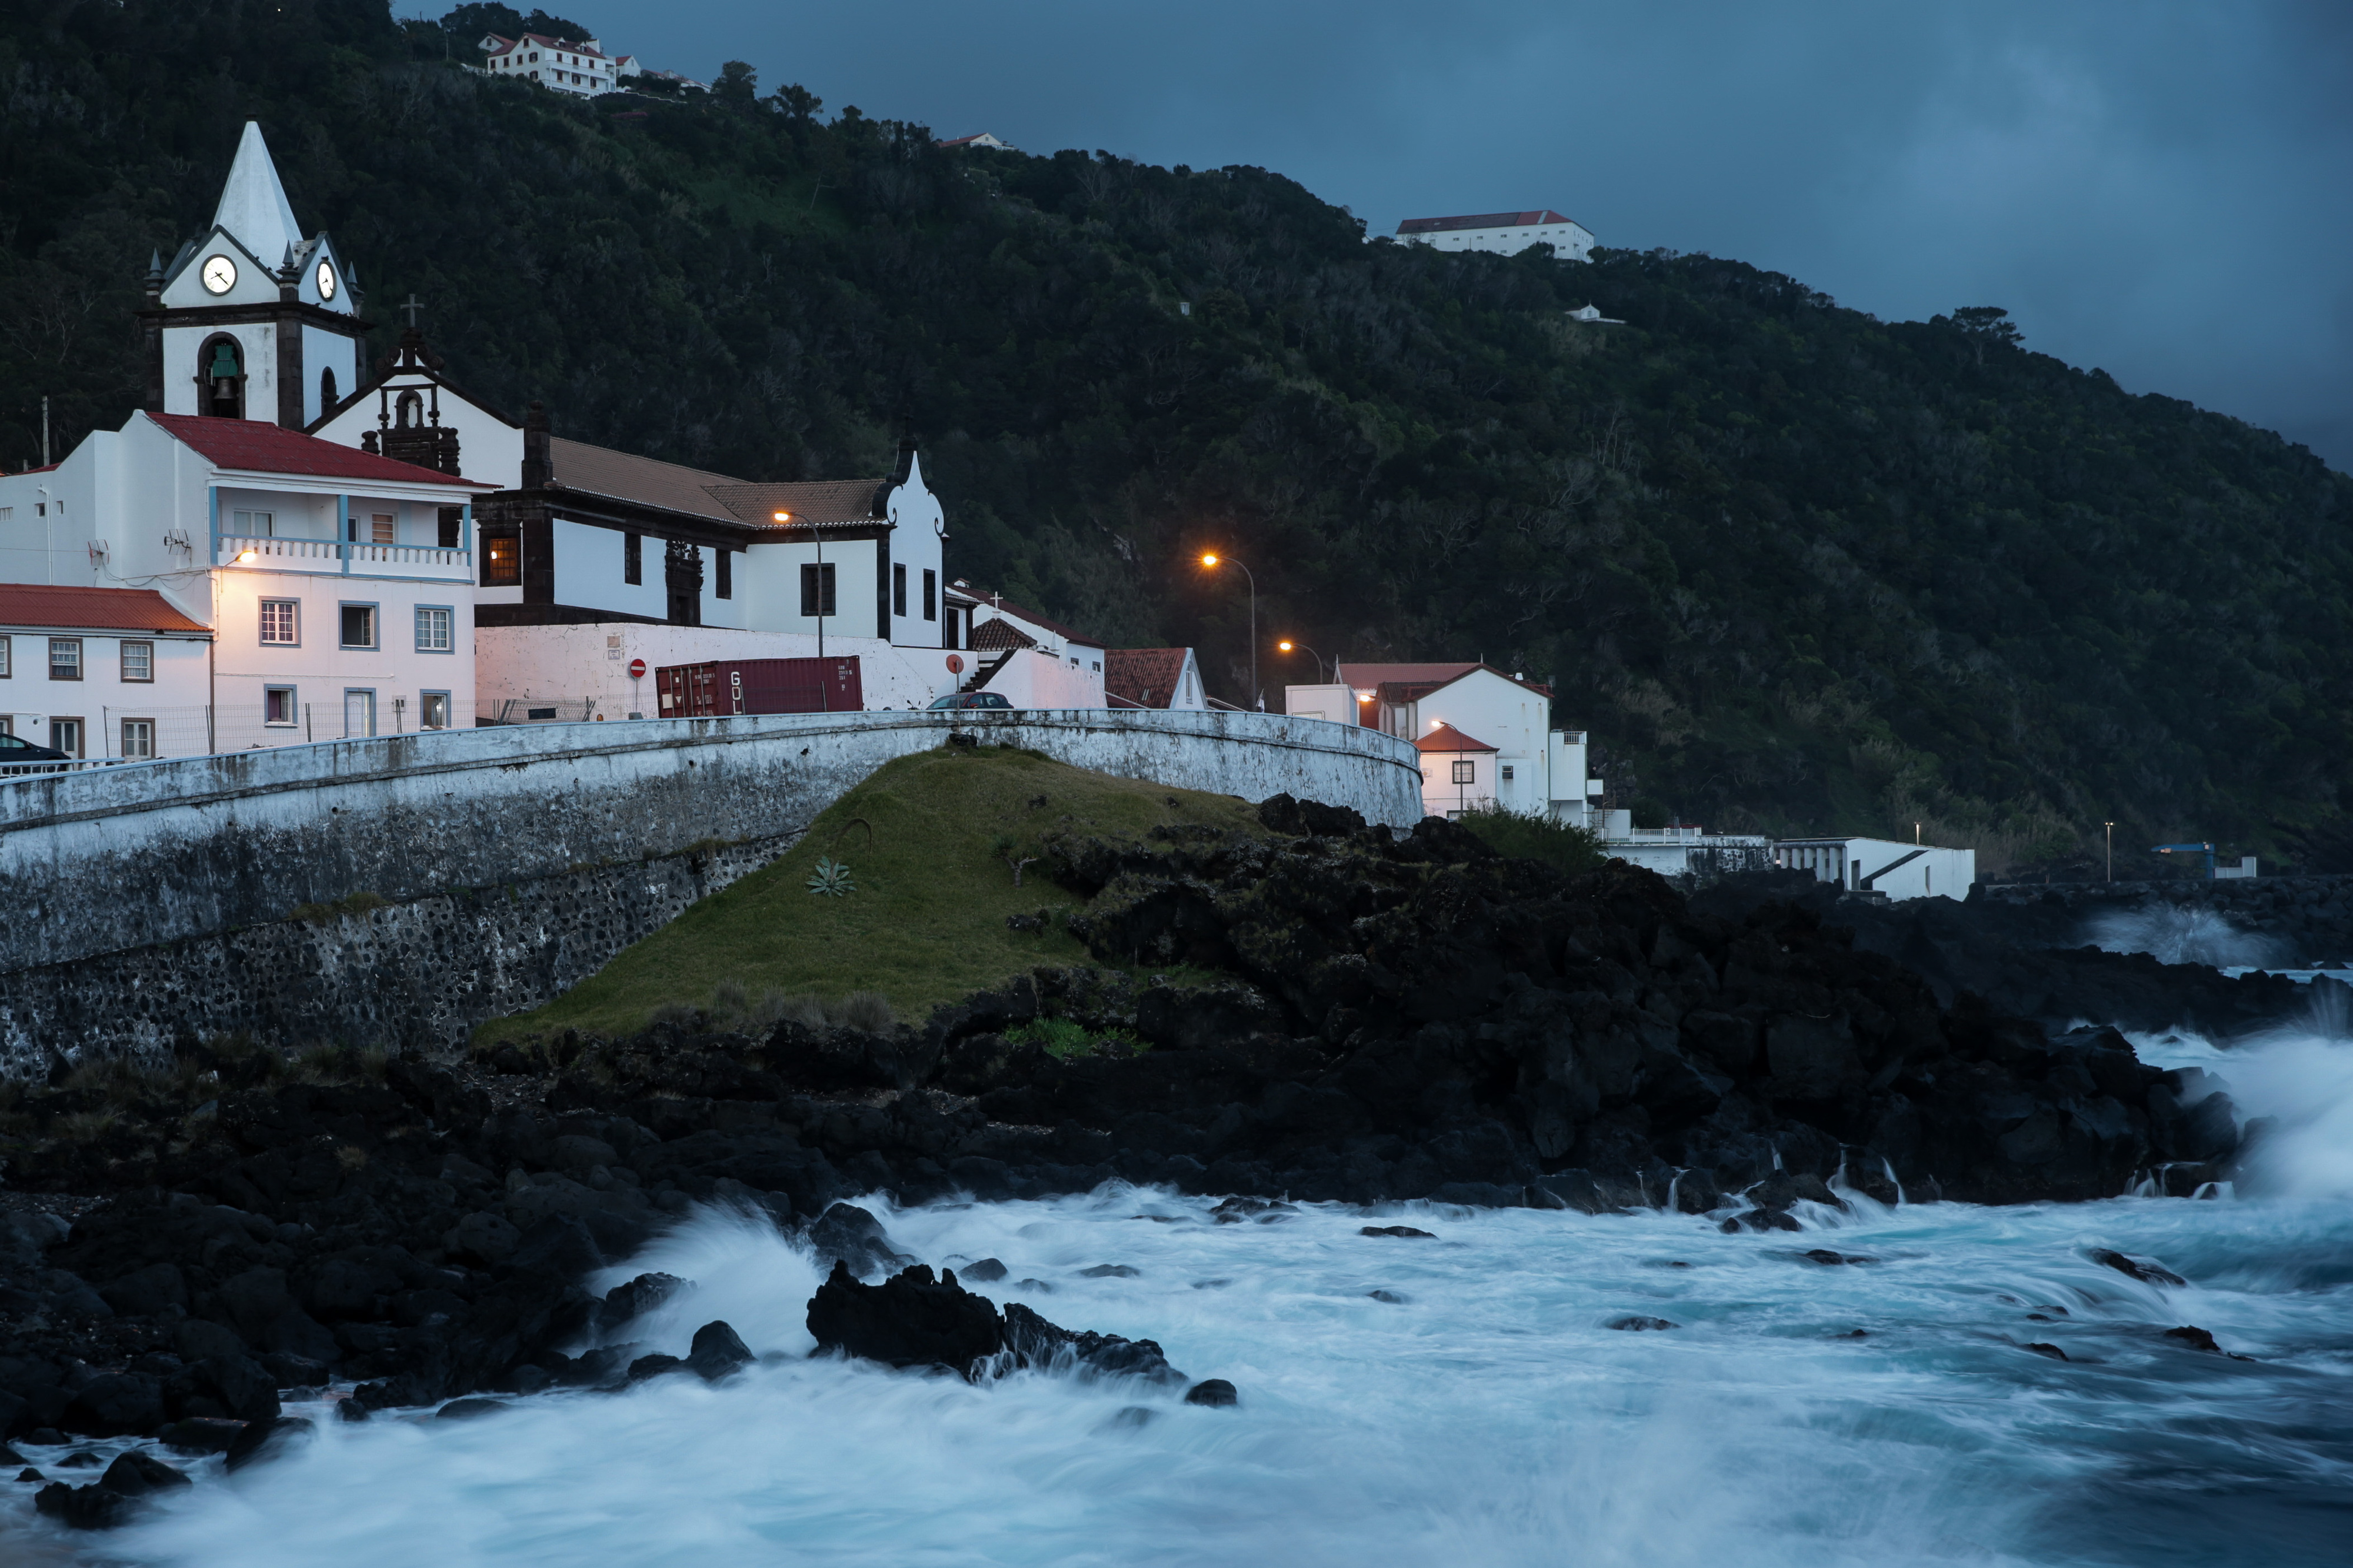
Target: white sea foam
<point>1492,1417</point>
<point>2185,933</point>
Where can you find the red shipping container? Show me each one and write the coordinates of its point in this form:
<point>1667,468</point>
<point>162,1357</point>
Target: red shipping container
<point>759,686</point>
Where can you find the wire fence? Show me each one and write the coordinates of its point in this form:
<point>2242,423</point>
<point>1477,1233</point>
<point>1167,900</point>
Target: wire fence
<point>149,735</point>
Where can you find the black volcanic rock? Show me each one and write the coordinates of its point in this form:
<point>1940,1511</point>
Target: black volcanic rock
<point>911,1319</point>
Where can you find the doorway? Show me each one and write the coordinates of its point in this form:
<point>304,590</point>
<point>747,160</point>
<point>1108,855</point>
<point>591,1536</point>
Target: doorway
<point>359,715</point>
<point>64,735</point>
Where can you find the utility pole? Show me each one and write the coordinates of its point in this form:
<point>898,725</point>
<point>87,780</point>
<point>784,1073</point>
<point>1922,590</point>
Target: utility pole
<point>2112,849</point>
<point>44,430</point>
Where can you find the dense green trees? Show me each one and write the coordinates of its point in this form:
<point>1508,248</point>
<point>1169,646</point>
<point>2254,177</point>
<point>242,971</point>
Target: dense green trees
<point>1793,566</point>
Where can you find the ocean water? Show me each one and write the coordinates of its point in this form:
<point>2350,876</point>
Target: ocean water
<point>1874,1412</point>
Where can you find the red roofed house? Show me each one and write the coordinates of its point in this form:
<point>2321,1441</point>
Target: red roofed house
<point>1152,677</point>
<point>1506,233</point>
<point>564,65</point>
<point>105,673</point>
<point>1033,660</point>
<point>1509,754</point>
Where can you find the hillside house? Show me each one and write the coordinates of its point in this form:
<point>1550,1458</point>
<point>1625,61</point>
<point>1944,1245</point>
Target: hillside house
<point>110,673</point>
<point>1498,727</point>
<point>564,65</point>
<point>1166,678</point>
<point>1029,660</point>
<point>1505,234</point>
<point>982,140</point>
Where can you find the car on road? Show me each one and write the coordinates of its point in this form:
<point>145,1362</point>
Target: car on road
<point>18,755</point>
<point>989,700</point>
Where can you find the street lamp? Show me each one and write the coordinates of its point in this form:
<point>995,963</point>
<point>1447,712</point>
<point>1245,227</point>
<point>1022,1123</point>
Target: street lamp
<point>1214,561</point>
<point>1286,645</point>
<point>2112,849</point>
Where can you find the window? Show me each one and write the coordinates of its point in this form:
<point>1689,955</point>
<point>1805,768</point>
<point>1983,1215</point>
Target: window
<point>327,388</point>
<point>433,710</point>
<point>633,558</point>
<point>138,662</point>
<point>931,587</point>
<point>1466,773</point>
<point>501,560</point>
<point>453,528</point>
<point>64,735</point>
<point>7,667</point>
<point>1507,773</point>
<point>281,621</point>
<point>726,589</point>
<point>380,528</point>
<point>278,706</point>
<point>898,590</point>
<point>256,524</point>
<point>65,659</point>
<point>817,590</point>
<point>359,627</point>
<point>433,628</point>
<point>138,740</point>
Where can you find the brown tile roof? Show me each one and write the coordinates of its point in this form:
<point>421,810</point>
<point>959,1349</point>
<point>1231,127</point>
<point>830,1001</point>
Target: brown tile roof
<point>984,600</point>
<point>995,633</point>
<point>1411,682</point>
<point>624,475</point>
<point>265,448</point>
<point>816,501</point>
<point>1146,677</point>
<point>1447,738</point>
<point>91,609</point>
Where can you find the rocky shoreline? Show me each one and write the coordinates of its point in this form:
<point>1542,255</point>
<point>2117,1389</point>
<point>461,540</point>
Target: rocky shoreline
<point>1364,1020</point>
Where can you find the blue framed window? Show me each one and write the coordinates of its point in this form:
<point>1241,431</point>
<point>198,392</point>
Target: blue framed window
<point>437,628</point>
<point>281,622</point>
<point>361,625</point>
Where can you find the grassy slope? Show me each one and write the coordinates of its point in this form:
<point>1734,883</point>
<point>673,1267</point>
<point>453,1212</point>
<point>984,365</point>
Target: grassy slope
<point>927,922</point>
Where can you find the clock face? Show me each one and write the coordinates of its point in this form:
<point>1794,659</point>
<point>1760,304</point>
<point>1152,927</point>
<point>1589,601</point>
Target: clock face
<point>220,274</point>
<point>326,281</point>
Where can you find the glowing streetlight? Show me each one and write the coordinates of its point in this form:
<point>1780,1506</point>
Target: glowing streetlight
<point>1287,646</point>
<point>1212,561</point>
<point>248,557</point>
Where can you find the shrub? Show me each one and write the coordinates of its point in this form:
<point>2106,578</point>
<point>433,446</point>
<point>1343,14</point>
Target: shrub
<point>869,1011</point>
<point>1530,837</point>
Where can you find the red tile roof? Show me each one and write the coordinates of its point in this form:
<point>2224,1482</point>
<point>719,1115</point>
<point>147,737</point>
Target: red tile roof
<point>91,609</point>
<point>1147,677</point>
<point>1480,220</point>
<point>1447,738</point>
<point>984,600</point>
<point>265,448</point>
<point>999,633</point>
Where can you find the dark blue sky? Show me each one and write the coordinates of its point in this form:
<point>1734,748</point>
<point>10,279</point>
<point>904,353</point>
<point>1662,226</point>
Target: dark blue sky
<point>2157,188</point>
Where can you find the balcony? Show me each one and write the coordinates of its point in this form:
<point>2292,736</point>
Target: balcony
<point>345,559</point>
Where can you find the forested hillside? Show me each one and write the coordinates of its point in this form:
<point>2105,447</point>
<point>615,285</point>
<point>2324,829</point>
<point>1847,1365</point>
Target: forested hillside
<point>1797,568</point>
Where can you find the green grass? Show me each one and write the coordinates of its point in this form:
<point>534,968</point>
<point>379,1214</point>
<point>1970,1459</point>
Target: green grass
<point>925,843</point>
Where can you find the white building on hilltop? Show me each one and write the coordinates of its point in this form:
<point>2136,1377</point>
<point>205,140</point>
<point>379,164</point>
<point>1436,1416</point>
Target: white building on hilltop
<point>1505,234</point>
<point>563,64</point>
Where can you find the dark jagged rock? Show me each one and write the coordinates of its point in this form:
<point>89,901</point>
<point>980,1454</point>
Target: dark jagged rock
<point>639,1296</point>
<point>2196,1338</point>
<point>2041,1349</point>
<point>1215,1393</point>
<point>262,1440</point>
<point>1032,1341</point>
<point>848,1234</point>
<point>1641,1324</point>
<point>1403,1231</point>
<point>650,1366</point>
<point>2148,1273</point>
<point>911,1319</point>
<point>468,1408</point>
<point>1110,1271</point>
<point>986,1270</point>
<point>718,1352</point>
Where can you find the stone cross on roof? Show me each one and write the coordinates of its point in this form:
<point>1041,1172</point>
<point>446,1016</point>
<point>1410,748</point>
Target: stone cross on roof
<point>410,306</point>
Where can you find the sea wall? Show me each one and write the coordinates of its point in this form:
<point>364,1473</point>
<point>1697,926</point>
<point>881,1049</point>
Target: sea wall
<point>518,859</point>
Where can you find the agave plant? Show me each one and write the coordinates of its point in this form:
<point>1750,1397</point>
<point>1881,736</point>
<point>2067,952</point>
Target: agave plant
<point>831,879</point>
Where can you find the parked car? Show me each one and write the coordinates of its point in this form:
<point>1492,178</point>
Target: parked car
<point>972,699</point>
<point>18,755</point>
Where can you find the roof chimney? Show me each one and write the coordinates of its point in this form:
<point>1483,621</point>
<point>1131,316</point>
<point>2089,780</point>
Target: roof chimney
<point>538,468</point>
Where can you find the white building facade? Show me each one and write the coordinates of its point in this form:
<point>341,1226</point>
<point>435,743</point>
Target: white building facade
<point>564,65</point>
<point>1505,234</point>
<point>1516,760</point>
<point>102,673</point>
<point>1885,865</point>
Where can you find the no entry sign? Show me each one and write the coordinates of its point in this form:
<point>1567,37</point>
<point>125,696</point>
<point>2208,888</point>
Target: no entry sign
<point>636,669</point>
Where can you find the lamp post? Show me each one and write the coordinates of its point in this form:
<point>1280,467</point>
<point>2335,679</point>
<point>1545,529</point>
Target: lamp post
<point>2111,828</point>
<point>1286,645</point>
<point>1213,561</point>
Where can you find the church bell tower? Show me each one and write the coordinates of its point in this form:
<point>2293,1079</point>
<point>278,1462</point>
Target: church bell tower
<point>252,321</point>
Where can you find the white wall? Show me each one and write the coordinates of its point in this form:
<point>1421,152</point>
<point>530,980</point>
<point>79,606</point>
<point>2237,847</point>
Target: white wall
<point>579,669</point>
<point>489,448</point>
<point>172,703</point>
<point>1033,677</point>
<point>589,570</point>
<point>1507,716</point>
<point>320,670</point>
<point>1857,863</point>
<point>1333,704</point>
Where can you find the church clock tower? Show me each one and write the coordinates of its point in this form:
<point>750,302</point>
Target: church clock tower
<point>252,321</point>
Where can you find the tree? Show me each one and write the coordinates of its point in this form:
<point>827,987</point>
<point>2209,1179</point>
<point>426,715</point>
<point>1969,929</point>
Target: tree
<point>800,104</point>
<point>1990,323</point>
<point>738,84</point>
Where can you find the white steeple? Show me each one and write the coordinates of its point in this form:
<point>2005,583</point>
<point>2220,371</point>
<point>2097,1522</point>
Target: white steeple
<point>253,206</point>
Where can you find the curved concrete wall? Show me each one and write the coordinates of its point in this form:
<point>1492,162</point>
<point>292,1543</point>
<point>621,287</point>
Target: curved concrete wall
<point>125,857</point>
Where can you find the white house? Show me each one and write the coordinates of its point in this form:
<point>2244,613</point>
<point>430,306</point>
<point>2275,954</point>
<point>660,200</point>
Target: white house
<point>563,64</point>
<point>103,672</point>
<point>1506,233</point>
<point>1166,678</point>
<point>1514,757</point>
<point>1029,660</point>
<point>981,140</point>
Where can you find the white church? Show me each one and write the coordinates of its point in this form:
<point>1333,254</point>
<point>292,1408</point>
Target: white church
<point>364,551</point>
